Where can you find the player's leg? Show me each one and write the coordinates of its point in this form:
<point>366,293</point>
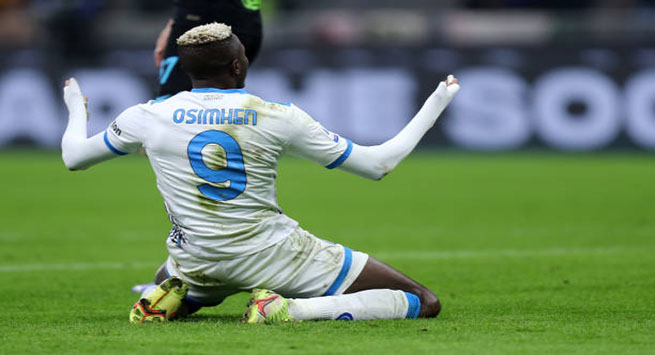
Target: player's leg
<point>392,296</point>
<point>269,307</point>
<point>314,274</point>
<point>378,275</point>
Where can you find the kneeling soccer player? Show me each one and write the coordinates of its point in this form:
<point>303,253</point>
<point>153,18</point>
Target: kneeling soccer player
<point>214,151</point>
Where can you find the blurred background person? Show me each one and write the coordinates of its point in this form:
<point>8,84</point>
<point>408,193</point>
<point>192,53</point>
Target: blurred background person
<point>243,16</point>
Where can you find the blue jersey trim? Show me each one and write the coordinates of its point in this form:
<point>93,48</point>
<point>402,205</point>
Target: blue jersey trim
<point>343,156</point>
<point>414,305</point>
<point>222,91</point>
<point>280,103</point>
<point>347,262</point>
<point>111,147</point>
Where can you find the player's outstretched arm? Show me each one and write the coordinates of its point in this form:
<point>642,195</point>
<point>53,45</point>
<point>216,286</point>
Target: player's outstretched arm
<point>375,162</point>
<point>78,151</point>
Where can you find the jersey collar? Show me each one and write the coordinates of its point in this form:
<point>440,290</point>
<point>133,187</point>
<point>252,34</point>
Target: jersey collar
<point>223,91</point>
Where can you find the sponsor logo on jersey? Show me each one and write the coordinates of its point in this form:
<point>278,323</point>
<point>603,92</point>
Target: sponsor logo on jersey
<point>333,136</point>
<point>114,127</point>
<point>212,97</point>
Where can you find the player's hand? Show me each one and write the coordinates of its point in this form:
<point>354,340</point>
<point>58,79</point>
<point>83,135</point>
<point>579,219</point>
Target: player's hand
<point>73,97</point>
<point>72,93</point>
<point>446,90</point>
<point>162,40</point>
<point>452,84</point>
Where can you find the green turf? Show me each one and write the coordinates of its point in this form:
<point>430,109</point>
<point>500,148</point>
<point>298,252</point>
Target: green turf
<point>530,253</point>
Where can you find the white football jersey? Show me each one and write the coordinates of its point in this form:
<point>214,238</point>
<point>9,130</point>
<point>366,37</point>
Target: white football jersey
<point>214,153</point>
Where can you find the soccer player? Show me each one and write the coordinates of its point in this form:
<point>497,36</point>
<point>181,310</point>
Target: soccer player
<point>243,16</point>
<point>214,151</point>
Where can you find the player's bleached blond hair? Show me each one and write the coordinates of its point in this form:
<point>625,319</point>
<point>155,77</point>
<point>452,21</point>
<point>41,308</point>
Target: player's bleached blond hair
<point>212,32</point>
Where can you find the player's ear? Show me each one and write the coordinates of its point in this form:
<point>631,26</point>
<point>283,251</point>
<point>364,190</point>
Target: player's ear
<point>237,68</point>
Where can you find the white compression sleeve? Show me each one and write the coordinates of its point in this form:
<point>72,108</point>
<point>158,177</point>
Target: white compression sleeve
<point>375,162</point>
<point>78,151</point>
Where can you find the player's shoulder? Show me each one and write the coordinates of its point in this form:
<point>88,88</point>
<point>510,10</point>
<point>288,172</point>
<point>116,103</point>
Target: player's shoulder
<point>164,101</point>
<point>136,111</point>
<point>163,105</point>
<point>269,105</point>
<point>273,111</point>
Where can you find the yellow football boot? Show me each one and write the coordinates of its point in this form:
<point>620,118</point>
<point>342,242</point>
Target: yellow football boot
<point>161,304</point>
<point>268,307</point>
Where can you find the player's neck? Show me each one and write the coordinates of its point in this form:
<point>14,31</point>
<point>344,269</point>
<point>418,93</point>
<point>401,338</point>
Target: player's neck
<point>227,83</point>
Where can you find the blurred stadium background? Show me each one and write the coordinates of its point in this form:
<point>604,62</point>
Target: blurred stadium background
<point>531,252</point>
<point>564,75</point>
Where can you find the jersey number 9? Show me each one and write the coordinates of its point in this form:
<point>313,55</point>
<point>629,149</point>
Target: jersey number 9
<point>233,173</point>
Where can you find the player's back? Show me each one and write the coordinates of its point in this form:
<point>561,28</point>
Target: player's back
<point>215,154</point>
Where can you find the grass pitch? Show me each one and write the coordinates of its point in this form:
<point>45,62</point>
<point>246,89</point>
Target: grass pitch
<point>529,253</point>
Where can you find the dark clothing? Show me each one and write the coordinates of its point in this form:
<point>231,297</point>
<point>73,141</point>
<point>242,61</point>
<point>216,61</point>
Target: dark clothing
<point>246,23</point>
<point>230,12</point>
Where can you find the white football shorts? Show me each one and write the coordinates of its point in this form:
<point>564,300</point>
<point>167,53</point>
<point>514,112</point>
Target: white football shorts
<point>300,266</point>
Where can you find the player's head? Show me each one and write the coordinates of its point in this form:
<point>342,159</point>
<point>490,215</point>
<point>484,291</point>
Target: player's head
<point>213,52</point>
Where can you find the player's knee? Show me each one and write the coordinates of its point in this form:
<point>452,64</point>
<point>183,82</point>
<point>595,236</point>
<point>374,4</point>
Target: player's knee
<point>434,308</point>
<point>430,305</point>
